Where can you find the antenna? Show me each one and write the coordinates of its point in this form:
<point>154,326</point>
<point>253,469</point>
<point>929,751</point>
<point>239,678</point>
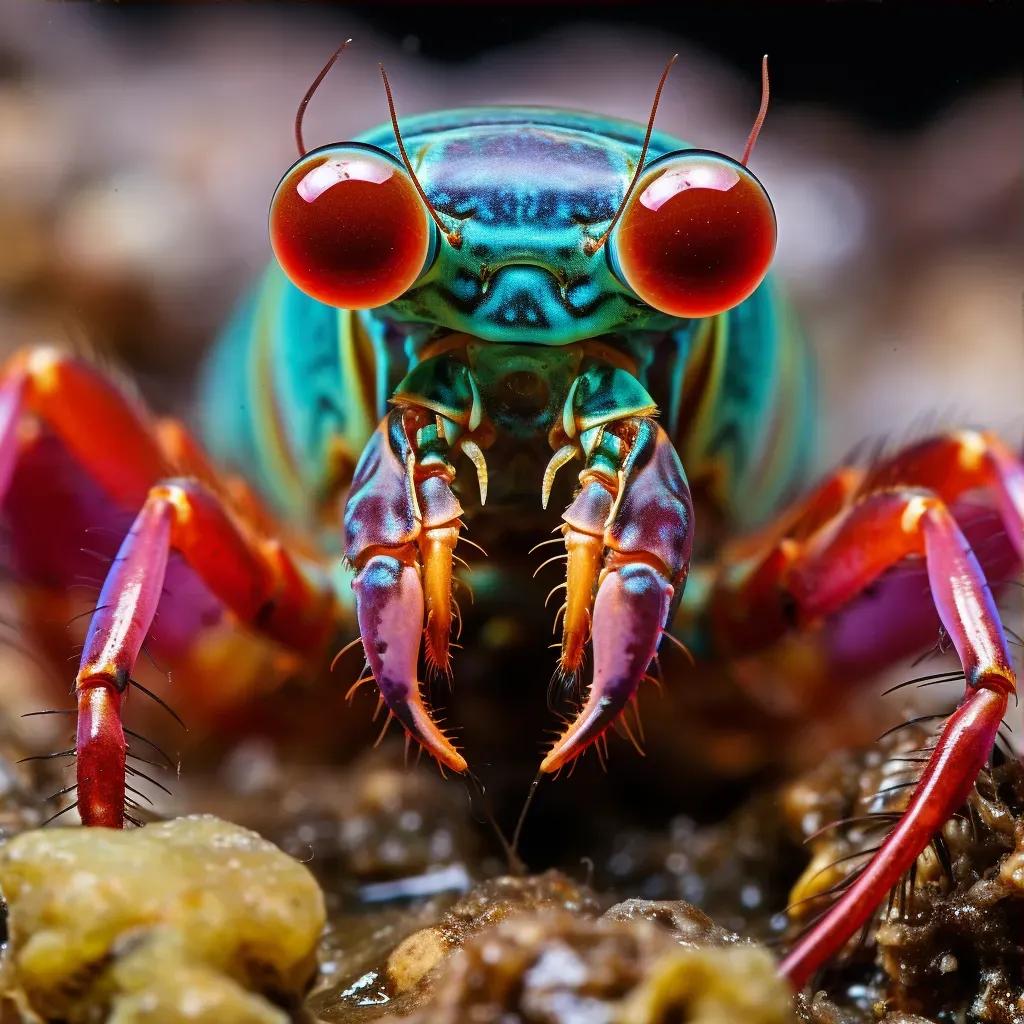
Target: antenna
<point>309,95</point>
<point>760,114</point>
<point>453,237</point>
<point>590,246</point>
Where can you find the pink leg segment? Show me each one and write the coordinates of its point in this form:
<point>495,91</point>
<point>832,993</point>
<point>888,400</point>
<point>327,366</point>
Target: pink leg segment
<point>117,632</point>
<point>254,578</point>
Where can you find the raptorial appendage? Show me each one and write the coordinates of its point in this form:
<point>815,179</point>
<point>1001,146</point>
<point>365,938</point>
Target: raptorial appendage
<point>401,525</point>
<point>628,533</point>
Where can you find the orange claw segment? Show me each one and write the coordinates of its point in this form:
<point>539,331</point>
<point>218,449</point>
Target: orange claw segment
<point>586,552</point>
<point>418,723</point>
<point>437,545</point>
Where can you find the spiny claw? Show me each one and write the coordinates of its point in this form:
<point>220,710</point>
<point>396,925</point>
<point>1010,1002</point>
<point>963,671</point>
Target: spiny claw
<point>630,611</point>
<point>629,530</point>
<point>402,520</point>
<point>564,454</point>
<point>389,602</point>
<point>585,543</point>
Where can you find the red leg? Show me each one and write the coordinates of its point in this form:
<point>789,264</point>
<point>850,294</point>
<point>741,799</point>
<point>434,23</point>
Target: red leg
<point>187,458</point>
<point>256,578</point>
<point>104,431</point>
<point>745,611</point>
<point>818,572</point>
<point>912,524</point>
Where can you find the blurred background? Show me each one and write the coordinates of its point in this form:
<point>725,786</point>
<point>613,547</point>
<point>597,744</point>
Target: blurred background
<point>140,145</point>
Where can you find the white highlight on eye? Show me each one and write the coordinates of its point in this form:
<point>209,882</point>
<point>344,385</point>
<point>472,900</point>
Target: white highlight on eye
<point>321,178</point>
<point>706,174</point>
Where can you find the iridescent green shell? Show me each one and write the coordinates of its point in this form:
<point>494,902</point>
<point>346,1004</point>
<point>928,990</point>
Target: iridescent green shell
<point>294,388</point>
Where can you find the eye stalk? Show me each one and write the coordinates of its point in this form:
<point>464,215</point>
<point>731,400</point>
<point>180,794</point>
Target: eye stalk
<point>349,228</point>
<point>697,235</point>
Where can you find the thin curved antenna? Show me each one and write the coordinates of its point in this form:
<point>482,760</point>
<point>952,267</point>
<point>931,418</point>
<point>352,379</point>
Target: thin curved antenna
<point>309,95</point>
<point>591,247</point>
<point>760,114</point>
<point>453,237</point>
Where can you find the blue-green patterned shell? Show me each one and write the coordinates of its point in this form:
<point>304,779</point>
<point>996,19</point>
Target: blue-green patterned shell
<point>294,388</point>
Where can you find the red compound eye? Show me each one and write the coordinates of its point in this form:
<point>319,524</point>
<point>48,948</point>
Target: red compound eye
<point>697,236</point>
<point>348,227</point>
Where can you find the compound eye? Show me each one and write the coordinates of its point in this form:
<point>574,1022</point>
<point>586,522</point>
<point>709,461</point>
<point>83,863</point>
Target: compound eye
<point>348,227</point>
<point>697,236</point>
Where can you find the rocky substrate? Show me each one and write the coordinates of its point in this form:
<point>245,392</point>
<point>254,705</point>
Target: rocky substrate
<point>190,920</point>
<point>198,919</point>
<point>949,946</point>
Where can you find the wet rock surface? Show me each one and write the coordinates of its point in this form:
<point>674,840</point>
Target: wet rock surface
<point>420,924</point>
<point>405,971</point>
<point>952,954</point>
<point>733,871</point>
<point>563,968</point>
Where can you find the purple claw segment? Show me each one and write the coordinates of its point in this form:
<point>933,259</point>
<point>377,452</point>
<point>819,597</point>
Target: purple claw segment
<point>379,511</point>
<point>389,601</point>
<point>630,612</point>
<point>400,516</point>
<point>655,515</point>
